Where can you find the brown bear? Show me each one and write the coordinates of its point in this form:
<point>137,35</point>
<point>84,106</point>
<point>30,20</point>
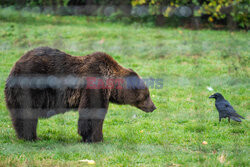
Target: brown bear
<point>46,81</point>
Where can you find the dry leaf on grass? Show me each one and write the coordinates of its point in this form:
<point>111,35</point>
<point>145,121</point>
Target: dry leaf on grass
<point>204,143</point>
<point>90,162</point>
<point>101,41</point>
<point>209,88</point>
<point>222,158</point>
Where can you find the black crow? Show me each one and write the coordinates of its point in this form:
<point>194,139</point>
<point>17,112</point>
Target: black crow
<point>225,109</point>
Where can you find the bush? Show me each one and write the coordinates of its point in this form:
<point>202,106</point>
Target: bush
<point>232,10</point>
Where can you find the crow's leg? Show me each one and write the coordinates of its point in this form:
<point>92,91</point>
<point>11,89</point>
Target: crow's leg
<point>229,119</point>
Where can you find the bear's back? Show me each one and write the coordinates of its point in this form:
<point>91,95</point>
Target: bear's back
<point>43,61</point>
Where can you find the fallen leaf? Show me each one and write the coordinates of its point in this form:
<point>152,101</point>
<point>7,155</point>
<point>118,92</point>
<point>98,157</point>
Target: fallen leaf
<point>101,41</point>
<point>209,88</point>
<point>222,158</point>
<point>90,162</point>
<point>204,143</point>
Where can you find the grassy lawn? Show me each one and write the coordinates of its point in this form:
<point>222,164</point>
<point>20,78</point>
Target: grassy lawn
<point>188,62</point>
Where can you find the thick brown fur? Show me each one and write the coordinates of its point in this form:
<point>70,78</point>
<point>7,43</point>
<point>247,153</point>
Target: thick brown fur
<point>28,104</point>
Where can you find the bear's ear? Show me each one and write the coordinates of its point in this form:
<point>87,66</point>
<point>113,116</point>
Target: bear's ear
<point>132,72</point>
<point>131,69</point>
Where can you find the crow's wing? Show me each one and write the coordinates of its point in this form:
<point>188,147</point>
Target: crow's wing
<point>223,106</point>
<point>226,106</point>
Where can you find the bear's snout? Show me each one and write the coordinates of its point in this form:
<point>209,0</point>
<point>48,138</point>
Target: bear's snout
<point>147,105</point>
<point>151,109</point>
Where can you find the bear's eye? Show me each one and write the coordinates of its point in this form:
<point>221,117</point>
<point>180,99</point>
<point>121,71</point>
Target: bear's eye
<point>143,98</point>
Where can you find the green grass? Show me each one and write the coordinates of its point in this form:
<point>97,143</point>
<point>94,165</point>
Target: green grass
<point>172,135</point>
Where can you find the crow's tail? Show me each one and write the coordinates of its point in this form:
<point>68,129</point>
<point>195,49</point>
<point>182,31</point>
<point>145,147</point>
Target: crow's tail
<point>237,115</point>
<point>235,118</point>
<point>241,116</point>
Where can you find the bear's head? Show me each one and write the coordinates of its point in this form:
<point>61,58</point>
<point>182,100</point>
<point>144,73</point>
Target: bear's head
<point>134,92</point>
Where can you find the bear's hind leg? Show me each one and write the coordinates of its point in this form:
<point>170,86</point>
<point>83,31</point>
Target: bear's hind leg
<point>25,127</point>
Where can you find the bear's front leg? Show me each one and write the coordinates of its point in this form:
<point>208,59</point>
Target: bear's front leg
<point>90,129</point>
<point>92,110</point>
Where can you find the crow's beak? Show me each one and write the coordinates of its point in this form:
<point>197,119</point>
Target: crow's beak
<point>212,96</point>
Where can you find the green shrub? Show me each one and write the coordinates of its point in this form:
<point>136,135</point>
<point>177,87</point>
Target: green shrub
<point>232,10</point>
